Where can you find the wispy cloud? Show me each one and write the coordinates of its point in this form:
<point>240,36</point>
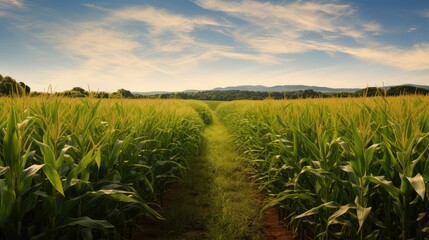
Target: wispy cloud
<point>110,49</point>
<point>162,21</point>
<point>415,58</point>
<point>7,5</point>
<point>283,29</point>
<point>373,27</point>
<point>137,43</point>
<point>295,17</point>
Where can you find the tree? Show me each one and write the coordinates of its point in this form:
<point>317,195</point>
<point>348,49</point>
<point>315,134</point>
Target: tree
<point>100,95</point>
<point>25,87</point>
<point>81,90</point>
<point>76,92</point>
<point>9,87</point>
<point>404,90</point>
<point>122,93</point>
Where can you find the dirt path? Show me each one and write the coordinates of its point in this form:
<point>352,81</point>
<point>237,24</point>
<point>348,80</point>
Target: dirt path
<point>215,199</point>
<point>274,229</point>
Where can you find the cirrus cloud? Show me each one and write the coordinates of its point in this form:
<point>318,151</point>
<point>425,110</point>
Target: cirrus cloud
<point>283,28</point>
<point>146,42</point>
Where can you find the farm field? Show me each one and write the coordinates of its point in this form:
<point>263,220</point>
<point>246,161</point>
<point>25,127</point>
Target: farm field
<point>214,120</point>
<point>334,168</point>
<point>340,169</point>
<point>84,169</point>
<point>214,200</point>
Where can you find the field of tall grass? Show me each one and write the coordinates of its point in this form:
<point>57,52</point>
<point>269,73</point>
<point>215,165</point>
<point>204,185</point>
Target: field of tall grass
<point>340,168</point>
<point>87,169</point>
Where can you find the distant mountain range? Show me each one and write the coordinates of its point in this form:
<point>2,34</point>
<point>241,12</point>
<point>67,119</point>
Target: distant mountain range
<point>280,88</point>
<point>286,88</point>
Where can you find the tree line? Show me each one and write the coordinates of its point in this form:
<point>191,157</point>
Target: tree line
<point>9,86</point>
<point>78,92</point>
<point>230,95</point>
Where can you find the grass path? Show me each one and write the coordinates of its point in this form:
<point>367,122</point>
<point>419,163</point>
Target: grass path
<point>235,209</point>
<point>214,200</point>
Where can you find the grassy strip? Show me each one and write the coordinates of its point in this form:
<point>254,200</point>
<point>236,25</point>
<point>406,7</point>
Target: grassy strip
<point>235,211</point>
<point>215,201</point>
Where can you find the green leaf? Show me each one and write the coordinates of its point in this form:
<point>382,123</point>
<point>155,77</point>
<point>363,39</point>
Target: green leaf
<point>59,161</point>
<point>88,223</point>
<point>26,178</point>
<point>3,170</point>
<point>126,196</point>
<point>83,163</point>
<point>418,184</point>
<point>387,185</point>
<point>48,154</point>
<point>342,210</point>
<point>7,201</point>
<point>369,154</point>
<point>315,210</point>
<point>11,142</point>
<point>98,158</point>
<point>53,177</point>
<point>286,195</point>
<point>362,214</point>
<point>32,170</point>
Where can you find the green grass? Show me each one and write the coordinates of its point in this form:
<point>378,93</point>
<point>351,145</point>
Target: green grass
<point>235,211</point>
<point>213,104</point>
<point>215,200</point>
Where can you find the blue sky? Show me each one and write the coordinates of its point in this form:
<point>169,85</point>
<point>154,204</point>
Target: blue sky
<point>175,45</point>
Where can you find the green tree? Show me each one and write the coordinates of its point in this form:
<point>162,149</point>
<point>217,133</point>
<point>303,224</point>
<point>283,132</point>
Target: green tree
<point>76,92</point>
<point>100,95</point>
<point>122,93</point>
<point>9,87</point>
<point>80,90</point>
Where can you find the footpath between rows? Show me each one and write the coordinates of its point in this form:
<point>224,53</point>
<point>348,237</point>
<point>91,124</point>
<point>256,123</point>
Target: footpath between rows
<point>215,200</point>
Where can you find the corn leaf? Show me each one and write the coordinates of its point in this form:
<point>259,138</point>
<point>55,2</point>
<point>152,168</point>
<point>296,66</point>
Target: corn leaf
<point>418,184</point>
<point>53,177</point>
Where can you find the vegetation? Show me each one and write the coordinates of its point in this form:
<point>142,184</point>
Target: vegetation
<point>392,91</point>
<point>9,87</point>
<point>86,169</point>
<point>340,169</point>
<point>354,168</point>
<point>230,95</point>
<point>235,213</point>
<point>76,92</point>
<point>213,201</point>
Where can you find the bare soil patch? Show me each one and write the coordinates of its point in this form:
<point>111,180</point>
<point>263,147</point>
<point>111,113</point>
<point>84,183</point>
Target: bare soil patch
<point>274,228</point>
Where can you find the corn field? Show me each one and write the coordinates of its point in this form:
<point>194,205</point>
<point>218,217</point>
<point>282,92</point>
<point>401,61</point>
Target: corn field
<point>340,169</point>
<point>86,169</point>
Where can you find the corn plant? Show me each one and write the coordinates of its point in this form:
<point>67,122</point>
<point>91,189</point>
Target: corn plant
<point>346,169</point>
<point>85,169</point>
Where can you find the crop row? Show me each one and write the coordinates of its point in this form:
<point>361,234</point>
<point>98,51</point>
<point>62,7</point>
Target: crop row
<point>340,169</point>
<point>83,169</point>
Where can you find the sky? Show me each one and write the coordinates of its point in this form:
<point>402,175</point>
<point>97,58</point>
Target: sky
<point>175,45</point>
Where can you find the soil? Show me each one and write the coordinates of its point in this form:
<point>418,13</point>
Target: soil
<point>275,229</point>
<point>160,229</point>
